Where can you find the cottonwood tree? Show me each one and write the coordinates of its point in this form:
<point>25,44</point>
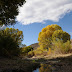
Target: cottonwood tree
<point>45,36</point>
<point>51,32</point>
<point>61,35</point>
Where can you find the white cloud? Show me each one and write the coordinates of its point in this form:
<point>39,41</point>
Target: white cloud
<point>2,27</point>
<point>40,10</point>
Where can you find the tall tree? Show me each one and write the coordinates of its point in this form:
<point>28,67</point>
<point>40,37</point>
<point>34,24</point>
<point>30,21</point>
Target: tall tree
<point>45,36</point>
<point>9,11</point>
<point>14,33</point>
<point>50,33</point>
<point>10,39</point>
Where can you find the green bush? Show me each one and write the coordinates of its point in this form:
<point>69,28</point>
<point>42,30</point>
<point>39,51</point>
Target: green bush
<point>25,50</point>
<point>30,54</point>
<point>8,46</point>
<point>10,40</point>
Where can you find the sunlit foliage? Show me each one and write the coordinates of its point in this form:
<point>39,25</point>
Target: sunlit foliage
<point>50,33</point>
<point>60,47</point>
<point>56,27</point>
<point>25,50</point>
<point>10,39</point>
<point>62,35</point>
<point>45,36</point>
<point>30,53</point>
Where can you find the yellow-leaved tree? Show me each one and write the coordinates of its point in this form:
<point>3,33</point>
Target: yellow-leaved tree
<point>50,33</point>
<point>60,34</point>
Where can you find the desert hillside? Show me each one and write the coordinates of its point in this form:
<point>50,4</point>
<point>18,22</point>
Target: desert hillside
<point>35,45</point>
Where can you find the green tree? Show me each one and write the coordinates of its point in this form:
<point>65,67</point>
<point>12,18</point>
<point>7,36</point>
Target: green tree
<point>25,50</point>
<point>9,11</point>
<point>15,34</point>
<point>10,39</point>
<point>8,46</point>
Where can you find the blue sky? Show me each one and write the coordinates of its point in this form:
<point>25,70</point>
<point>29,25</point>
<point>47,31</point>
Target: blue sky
<point>31,31</point>
<point>37,14</point>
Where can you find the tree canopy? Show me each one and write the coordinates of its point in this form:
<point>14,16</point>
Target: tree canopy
<point>51,32</point>
<point>14,33</point>
<point>10,39</point>
<point>9,11</point>
<point>45,36</point>
<point>62,35</point>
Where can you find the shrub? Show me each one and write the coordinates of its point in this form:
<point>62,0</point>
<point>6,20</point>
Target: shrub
<point>30,54</point>
<point>66,47</point>
<point>8,46</point>
<point>10,39</point>
<point>61,47</point>
<point>38,52</point>
<point>25,50</point>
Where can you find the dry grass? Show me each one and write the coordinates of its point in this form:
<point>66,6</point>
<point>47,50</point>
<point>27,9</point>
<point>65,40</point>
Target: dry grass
<point>57,55</point>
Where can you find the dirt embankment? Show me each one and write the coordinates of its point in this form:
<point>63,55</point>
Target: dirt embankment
<point>17,65</point>
<point>59,63</point>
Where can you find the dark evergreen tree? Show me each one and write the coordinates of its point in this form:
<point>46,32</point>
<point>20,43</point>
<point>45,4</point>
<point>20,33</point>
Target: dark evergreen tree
<point>9,11</point>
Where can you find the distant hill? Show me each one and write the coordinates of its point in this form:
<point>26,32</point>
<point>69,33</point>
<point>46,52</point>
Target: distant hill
<point>35,45</point>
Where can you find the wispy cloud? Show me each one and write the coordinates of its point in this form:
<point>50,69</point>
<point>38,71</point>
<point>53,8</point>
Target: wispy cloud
<point>40,10</point>
<point>2,27</point>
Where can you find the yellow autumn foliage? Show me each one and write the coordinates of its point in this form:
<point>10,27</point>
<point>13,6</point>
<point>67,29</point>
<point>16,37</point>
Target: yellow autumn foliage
<point>49,34</point>
<point>45,36</point>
